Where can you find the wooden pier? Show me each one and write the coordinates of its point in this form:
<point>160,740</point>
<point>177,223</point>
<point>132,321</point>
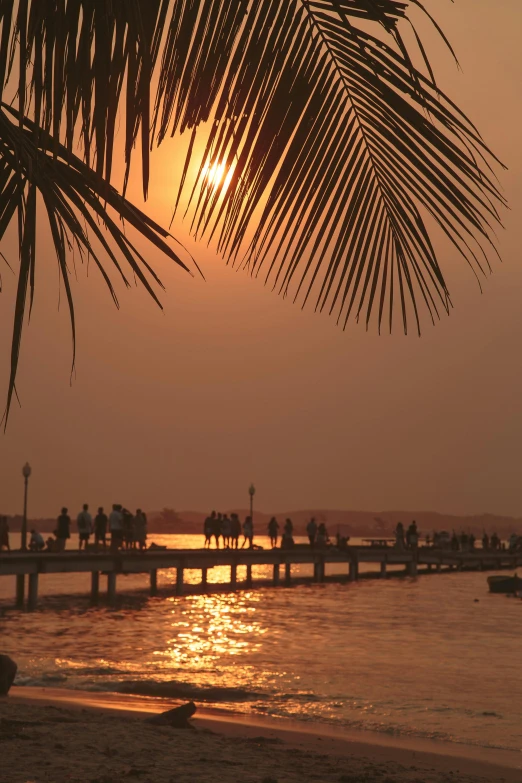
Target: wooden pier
<point>26,567</point>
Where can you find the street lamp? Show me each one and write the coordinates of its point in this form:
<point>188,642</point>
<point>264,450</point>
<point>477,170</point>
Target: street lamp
<point>26,472</point>
<point>252,492</point>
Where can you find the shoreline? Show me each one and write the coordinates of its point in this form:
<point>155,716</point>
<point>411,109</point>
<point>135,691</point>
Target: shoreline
<point>415,755</point>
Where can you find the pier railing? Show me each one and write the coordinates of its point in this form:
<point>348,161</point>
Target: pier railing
<point>27,567</point>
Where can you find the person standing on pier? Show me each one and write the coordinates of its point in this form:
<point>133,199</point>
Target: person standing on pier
<point>399,537</point>
<point>128,528</point>
<point>84,522</point>
<point>4,534</point>
<point>412,536</point>
<point>116,527</point>
<point>322,536</point>
<point>311,530</point>
<point>235,531</point>
<point>63,531</point>
<point>216,529</point>
<point>273,529</point>
<point>248,533</point>
<point>226,530</point>
<point>140,529</point>
<point>100,528</point>
<point>208,529</point>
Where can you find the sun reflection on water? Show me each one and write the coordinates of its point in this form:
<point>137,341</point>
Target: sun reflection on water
<point>208,627</point>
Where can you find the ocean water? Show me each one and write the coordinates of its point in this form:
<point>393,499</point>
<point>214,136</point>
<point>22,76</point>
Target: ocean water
<point>437,656</point>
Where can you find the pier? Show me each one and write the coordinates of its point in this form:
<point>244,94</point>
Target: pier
<point>105,567</point>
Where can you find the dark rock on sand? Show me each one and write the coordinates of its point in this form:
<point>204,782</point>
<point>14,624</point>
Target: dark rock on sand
<point>178,717</point>
<point>7,674</point>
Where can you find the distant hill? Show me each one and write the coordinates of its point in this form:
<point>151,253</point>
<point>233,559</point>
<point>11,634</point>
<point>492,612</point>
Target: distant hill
<point>353,523</point>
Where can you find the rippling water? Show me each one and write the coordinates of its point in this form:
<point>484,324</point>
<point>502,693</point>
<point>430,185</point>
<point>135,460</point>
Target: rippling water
<point>420,657</point>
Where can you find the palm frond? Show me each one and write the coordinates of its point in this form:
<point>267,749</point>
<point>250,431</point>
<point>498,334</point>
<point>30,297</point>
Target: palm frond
<point>338,145</point>
<point>77,203</point>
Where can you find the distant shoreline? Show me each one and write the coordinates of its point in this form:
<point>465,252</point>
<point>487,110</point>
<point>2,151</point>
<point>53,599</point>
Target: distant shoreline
<point>347,522</point>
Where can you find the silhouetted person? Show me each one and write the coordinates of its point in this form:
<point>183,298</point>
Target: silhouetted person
<point>454,542</point>
<point>128,528</point>
<point>63,530</point>
<point>235,531</point>
<point>216,529</point>
<point>342,542</point>
<point>100,528</point>
<point>140,529</point>
<point>4,534</point>
<point>226,530</point>
<point>273,530</point>
<point>248,533</point>
<point>51,545</point>
<point>84,522</point>
<point>116,527</point>
<point>208,529</point>
<point>311,530</point>
<point>287,539</point>
<point>463,540</point>
<point>495,541</point>
<point>289,526</point>
<point>399,536</point>
<point>471,542</point>
<point>36,543</point>
<point>322,535</point>
<point>485,541</point>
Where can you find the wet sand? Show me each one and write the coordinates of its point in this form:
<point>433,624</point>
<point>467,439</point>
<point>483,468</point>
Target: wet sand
<point>53,735</point>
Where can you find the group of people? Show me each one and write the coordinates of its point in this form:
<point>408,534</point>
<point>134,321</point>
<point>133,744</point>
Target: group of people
<point>406,539</point>
<point>126,530</point>
<point>219,526</point>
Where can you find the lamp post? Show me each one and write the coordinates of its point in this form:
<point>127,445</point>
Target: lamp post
<point>252,492</point>
<point>26,472</point>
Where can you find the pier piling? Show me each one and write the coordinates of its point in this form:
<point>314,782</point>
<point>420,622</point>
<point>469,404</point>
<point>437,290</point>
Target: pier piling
<point>275,579</point>
<point>204,582</point>
<point>353,572</point>
<point>248,580</point>
<point>383,569</point>
<point>233,576</point>
<point>111,587</point>
<point>32,596</point>
<point>95,586</point>
<point>20,591</point>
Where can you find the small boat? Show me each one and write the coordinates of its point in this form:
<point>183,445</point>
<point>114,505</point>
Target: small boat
<point>504,584</point>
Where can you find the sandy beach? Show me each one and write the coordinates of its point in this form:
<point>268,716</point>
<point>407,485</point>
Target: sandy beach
<point>50,736</point>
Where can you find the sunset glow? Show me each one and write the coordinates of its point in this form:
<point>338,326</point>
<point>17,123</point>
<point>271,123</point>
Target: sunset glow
<point>216,175</point>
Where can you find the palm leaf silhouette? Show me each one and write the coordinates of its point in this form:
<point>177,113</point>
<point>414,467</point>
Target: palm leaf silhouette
<point>337,145</point>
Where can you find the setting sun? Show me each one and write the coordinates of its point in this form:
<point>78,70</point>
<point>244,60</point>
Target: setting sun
<point>217,175</point>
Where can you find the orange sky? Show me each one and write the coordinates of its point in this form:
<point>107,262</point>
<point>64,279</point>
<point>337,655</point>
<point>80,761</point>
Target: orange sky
<point>231,384</point>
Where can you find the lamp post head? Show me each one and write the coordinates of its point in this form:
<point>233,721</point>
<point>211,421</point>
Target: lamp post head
<point>26,470</point>
<point>251,490</point>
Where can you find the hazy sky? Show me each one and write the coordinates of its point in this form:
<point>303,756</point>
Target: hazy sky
<point>231,384</point>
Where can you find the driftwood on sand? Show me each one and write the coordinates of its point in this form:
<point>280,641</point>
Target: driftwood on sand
<point>178,717</point>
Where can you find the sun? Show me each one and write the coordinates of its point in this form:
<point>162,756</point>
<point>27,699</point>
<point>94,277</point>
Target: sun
<point>217,175</point>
